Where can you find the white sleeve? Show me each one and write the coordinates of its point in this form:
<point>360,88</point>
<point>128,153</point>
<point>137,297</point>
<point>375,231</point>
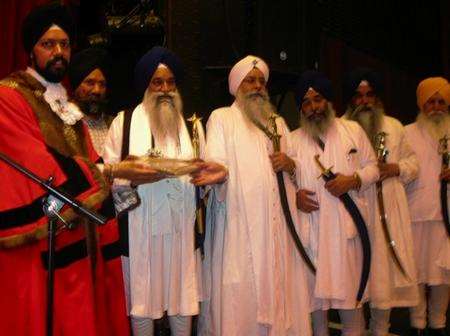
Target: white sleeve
<point>369,172</point>
<point>113,142</point>
<point>408,164</point>
<point>216,149</point>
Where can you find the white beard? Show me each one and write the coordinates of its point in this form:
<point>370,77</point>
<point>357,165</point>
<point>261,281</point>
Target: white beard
<point>165,110</point>
<point>437,125</point>
<point>256,107</point>
<point>316,128</point>
<point>369,119</point>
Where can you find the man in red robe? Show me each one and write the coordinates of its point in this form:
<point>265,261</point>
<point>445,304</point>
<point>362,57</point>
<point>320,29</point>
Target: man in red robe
<point>39,130</point>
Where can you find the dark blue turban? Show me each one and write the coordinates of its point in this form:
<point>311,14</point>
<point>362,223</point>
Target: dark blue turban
<point>355,77</point>
<point>40,19</point>
<point>86,61</point>
<point>316,80</point>
<point>147,65</point>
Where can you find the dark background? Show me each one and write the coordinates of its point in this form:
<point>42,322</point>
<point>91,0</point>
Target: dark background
<point>404,41</point>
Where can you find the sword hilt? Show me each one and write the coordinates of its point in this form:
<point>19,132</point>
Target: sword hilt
<point>443,150</point>
<point>194,119</point>
<point>274,135</point>
<point>326,173</point>
<point>382,151</point>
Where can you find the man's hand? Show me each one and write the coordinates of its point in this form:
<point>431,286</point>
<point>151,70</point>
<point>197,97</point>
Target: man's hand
<point>209,173</point>
<point>136,171</point>
<point>388,170</point>
<point>341,184</point>
<point>282,162</point>
<point>445,175</point>
<point>306,203</point>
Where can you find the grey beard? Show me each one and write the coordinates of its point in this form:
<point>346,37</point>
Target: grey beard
<point>369,118</point>
<point>437,125</point>
<point>315,128</point>
<point>165,110</point>
<point>256,106</point>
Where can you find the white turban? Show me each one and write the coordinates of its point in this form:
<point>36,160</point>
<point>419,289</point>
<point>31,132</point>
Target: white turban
<point>242,68</point>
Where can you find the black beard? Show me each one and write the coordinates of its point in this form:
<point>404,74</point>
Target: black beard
<point>51,74</point>
<point>92,107</point>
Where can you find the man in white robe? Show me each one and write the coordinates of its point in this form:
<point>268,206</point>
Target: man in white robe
<point>328,231</point>
<point>431,241</point>
<point>255,278</point>
<point>389,287</point>
<point>162,265</point>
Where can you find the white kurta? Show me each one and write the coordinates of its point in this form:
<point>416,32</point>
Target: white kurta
<point>162,263</point>
<point>431,243</point>
<point>255,278</point>
<point>388,287</point>
<point>329,233</point>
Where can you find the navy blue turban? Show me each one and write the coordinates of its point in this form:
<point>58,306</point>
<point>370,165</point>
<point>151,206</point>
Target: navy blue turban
<point>86,61</point>
<point>40,19</point>
<point>355,77</point>
<point>147,65</point>
<point>316,80</point>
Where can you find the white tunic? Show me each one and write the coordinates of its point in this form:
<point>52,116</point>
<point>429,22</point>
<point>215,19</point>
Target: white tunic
<point>162,263</point>
<point>255,278</point>
<point>431,243</point>
<point>329,233</point>
<point>388,287</point>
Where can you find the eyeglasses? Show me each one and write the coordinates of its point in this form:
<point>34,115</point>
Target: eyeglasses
<point>50,44</point>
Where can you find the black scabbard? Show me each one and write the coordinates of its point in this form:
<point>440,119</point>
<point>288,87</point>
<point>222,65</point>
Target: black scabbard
<point>361,227</point>
<point>444,206</point>
<point>290,223</point>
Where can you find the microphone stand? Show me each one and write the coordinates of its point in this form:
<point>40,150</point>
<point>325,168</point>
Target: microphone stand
<point>51,208</point>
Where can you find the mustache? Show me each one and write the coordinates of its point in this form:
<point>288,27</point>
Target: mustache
<point>161,97</point>
<point>259,94</point>
<point>362,108</point>
<point>56,59</point>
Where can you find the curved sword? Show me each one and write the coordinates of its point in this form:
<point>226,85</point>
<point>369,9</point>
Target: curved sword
<point>361,227</point>
<point>275,138</point>
<point>382,153</point>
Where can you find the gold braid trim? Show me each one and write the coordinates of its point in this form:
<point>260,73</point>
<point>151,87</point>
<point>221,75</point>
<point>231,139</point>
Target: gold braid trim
<point>41,232</point>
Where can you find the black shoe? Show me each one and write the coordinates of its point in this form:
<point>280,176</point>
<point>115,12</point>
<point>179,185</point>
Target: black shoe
<point>416,332</point>
<point>437,332</point>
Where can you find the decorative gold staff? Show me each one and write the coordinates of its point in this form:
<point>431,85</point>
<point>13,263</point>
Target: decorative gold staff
<point>200,205</point>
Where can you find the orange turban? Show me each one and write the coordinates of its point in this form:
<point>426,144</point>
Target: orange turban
<point>428,87</point>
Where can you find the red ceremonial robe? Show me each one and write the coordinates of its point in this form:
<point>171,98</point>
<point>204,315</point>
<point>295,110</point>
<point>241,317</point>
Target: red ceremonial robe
<point>35,137</point>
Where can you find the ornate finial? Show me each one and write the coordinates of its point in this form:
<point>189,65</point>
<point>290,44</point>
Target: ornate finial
<point>443,144</point>
<point>194,118</point>
<point>195,135</point>
<point>273,132</point>
<point>380,143</point>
